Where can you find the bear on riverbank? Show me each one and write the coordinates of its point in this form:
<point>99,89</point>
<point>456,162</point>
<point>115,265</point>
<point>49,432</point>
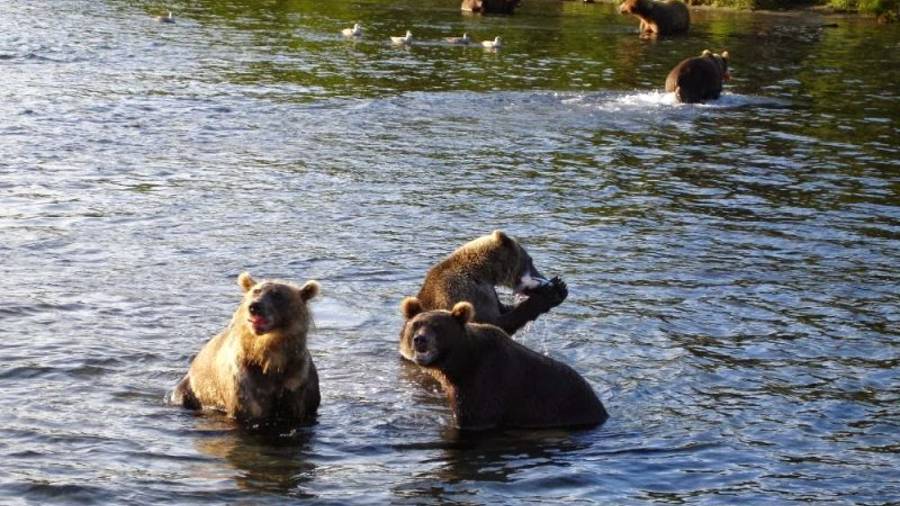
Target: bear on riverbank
<point>490,6</point>
<point>491,380</point>
<point>471,274</point>
<point>258,369</point>
<point>699,78</point>
<point>658,18</point>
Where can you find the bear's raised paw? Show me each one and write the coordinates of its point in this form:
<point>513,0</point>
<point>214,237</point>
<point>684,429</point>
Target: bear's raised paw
<point>550,294</point>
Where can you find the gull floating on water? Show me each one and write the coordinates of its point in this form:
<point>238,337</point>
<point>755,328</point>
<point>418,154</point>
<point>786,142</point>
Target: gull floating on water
<point>405,40</point>
<point>459,40</point>
<point>166,19</point>
<point>492,44</point>
<point>356,31</point>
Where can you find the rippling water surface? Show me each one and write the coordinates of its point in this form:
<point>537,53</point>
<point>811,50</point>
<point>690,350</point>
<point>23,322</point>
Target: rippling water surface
<point>732,266</point>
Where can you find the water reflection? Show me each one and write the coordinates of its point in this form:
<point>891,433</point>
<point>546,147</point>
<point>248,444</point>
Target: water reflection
<point>469,464</point>
<point>271,460</point>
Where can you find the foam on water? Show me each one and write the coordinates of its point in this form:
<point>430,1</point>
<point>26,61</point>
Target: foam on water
<point>660,100</point>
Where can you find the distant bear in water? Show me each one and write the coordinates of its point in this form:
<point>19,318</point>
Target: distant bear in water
<point>658,18</point>
<point>491,380</point>
<point>490,6</point>
<point>471,274</point>
<point>258,369</point>
<point>699,78</point>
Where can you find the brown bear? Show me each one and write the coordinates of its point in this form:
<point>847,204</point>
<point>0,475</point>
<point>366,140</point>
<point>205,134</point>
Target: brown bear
<point>491,380</point>
<point>471,273</point>
<point>258,370</point>
<point>699,78</point>
<point>490,6</point>
<point>658,18</point>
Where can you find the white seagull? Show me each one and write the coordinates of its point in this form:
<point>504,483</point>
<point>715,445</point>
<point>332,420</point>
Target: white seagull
<point>356,31</point>
<point>459,40</point>
<point>492,44</point>
<point>405,40</point>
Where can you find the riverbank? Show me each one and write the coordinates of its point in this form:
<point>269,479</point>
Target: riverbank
<point>884,11</point>
<point>759,4</point>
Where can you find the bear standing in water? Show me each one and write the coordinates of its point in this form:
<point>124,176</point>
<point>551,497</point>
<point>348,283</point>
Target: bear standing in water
<point>490,6</point>
<point>658,18</point>
<point>258,369</point>
<point>699,78</point>
<point>492,381</point>
<point>471,274</point>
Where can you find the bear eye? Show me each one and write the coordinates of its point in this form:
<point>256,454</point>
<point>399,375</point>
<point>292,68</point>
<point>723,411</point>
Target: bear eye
<point>257,291</point>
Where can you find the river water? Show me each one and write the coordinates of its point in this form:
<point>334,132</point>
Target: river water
<point>732,266</point>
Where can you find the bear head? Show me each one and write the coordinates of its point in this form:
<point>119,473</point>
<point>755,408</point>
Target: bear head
<point>721,61</point>
<point>510,264</point>
<point>636,7</point>
<point>433,335</point>
<point>271,306</point>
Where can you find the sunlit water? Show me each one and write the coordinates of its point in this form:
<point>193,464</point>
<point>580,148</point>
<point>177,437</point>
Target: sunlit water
<point>732,266</point>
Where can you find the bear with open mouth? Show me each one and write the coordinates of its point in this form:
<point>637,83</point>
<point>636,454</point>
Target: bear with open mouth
<point>258,369</point>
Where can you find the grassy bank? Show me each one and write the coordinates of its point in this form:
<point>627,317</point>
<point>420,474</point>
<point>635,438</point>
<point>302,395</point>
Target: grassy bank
<point>884,10</point>
<point>758,4</point>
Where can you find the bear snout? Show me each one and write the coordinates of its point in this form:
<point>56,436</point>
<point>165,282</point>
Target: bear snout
<point>424,344</point>
<point>420,343</point>
<point>255,308</point>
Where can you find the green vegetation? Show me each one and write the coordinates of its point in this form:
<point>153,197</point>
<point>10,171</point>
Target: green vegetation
<point>884,10</point>
<point>758,4</point>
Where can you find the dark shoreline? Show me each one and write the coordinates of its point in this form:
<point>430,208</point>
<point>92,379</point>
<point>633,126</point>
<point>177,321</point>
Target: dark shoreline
<point>818,9</point>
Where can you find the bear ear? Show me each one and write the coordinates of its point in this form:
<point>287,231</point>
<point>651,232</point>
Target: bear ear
<point>309,290</point>
<point>706,52</point>
<point>245,281</point>
<point>410,307</point>
<point>501,237</point>
<point>463,312</point>
<point>725,54</point>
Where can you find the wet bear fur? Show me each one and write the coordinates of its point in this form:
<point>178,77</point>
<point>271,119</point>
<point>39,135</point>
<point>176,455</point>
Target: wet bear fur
<point>491,381</point>
<point>471,274</point>
<point>258,370</point>
<point>658,18</point>
<point>699,78</point>
<point>490,6</point>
